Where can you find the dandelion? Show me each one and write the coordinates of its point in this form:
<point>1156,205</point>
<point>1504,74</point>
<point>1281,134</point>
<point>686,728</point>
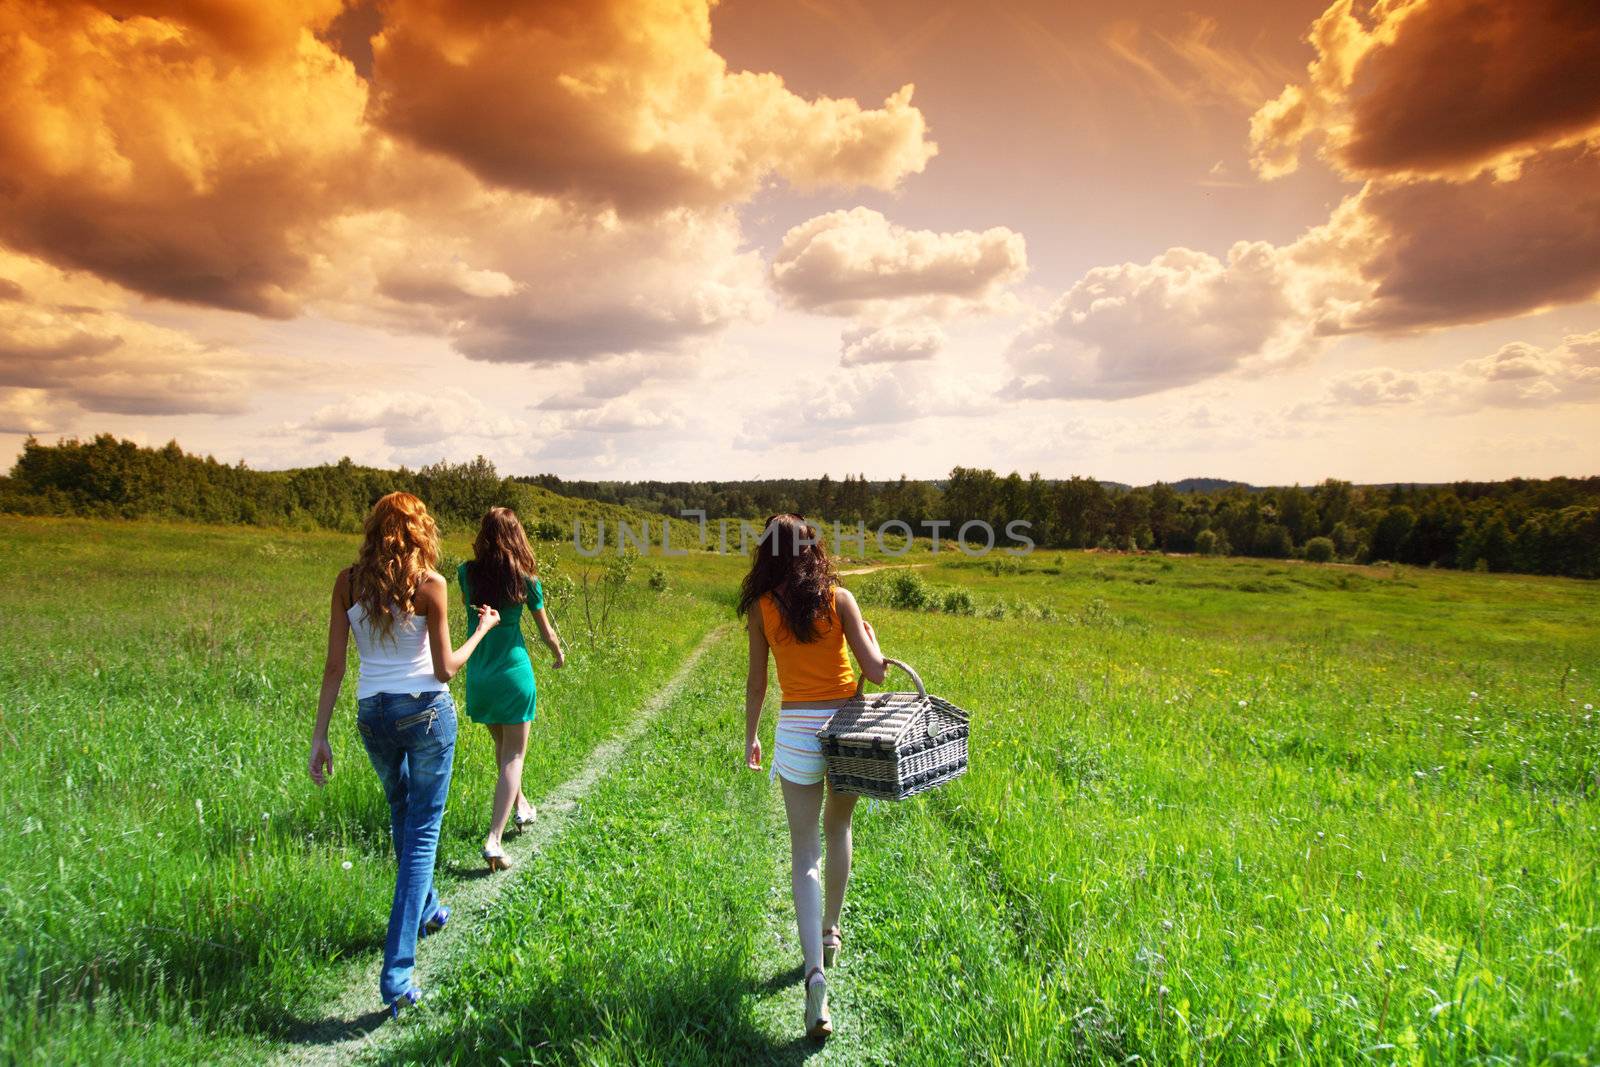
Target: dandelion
<point>347,865</point>
<point>1473,695</point>
<point>1242,703</point>
<point>264,817</point>
<point>1166,924</point>
<point>1588,707</point>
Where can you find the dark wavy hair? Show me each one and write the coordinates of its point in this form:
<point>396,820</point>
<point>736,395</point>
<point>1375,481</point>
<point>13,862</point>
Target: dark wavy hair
<point>502,560</point>
<point>790,563</point>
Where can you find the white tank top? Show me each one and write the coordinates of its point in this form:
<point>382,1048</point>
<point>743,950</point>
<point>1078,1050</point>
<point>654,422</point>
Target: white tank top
<point>399,663</point>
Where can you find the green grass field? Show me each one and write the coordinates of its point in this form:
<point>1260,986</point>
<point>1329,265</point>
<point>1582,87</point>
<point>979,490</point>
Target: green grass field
<point>1219,811</point>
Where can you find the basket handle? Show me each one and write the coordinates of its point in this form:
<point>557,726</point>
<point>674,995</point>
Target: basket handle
<point>922,691</point>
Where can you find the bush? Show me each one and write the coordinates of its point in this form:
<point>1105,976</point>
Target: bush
<point>1320,550</point>
<point>907,591</point>
<point>658,580</point>
<point>959,602</point>
<point>1205,542</point>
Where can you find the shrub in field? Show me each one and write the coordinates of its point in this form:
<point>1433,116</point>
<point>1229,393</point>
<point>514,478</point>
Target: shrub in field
<point>908,592</point>
<point>1319,550</point>
<point>1096,613</point>
<point>998,565</point>
<point>1205,542</point>
<point>997,610</point>
<point>958,602</point>
<point>658,580</point>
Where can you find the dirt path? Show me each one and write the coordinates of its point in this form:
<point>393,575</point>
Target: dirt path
<point>883,567</point>
<point>352,1028</point>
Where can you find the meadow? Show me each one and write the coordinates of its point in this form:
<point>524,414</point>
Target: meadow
<point>1219,811</point>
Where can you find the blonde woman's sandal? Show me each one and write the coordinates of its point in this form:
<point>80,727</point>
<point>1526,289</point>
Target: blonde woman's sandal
<point>819,1024</point>
<point>832,942</point>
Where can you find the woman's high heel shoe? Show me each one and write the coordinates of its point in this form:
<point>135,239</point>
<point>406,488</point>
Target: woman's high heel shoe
<point>521,821</point>
<point>819,1024</point>
<point>832,942</point>
<point>496,858</point>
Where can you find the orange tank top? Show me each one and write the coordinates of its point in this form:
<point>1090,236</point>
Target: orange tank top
<point>816,670</point>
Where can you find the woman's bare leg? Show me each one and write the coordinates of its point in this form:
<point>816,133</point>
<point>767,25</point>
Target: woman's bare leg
<point>510,742</point>
<point>804,806</point>
<point>836,816</point>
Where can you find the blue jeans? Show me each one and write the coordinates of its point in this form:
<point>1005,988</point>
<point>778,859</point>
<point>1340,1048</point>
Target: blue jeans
<point>411,740</point>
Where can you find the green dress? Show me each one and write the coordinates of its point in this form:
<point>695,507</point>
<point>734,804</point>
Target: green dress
<point>500,687</point>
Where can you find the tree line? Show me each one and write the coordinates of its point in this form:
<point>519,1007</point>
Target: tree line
<point>1538,526</point>
<point>107,478</point>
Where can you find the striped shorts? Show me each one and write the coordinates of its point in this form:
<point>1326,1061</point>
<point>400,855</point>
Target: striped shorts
<point>797,754</point>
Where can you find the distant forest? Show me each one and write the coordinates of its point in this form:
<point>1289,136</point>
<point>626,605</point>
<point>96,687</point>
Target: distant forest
<point>1548,526</point>
<point>108,478</point>
<point>1538,526</point>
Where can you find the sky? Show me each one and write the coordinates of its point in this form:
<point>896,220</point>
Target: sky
<point>1270,240</point>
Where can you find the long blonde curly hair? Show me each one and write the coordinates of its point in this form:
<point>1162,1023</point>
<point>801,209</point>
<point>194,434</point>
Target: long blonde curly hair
<point>400,547</point>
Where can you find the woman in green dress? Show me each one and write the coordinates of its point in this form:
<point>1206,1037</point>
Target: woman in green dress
<point>500,687</point>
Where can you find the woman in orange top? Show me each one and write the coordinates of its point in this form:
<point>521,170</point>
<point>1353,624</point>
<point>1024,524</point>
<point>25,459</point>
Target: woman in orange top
<point>798,612</point>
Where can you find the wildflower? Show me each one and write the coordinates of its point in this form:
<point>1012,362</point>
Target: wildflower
<point>347,865</point>
<point>1473,695</point>
<point>1242,703</point>
<point>1588,707</point>
<point>1166,924</point>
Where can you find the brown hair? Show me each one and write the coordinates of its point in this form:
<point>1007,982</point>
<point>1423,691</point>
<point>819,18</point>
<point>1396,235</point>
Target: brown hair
<point>502,560</point>
<point>790,563</point>
<point>400,545</point>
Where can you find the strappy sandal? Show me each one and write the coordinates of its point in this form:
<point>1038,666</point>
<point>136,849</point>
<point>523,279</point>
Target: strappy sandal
<point>496,858</point>
<point>832,942</point>
<point>819,1024</point>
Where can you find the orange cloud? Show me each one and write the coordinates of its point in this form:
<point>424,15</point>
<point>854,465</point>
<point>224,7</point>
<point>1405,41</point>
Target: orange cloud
<point>186,157</point>
<point>1438,88</point>
<point>620,102</point>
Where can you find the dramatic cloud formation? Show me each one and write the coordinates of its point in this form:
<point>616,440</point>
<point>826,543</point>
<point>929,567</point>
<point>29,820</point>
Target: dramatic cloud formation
<point>1477,126</point>
<point>1533,241</point>
<point>1440,88</point>
<point>187,157</point>
<point>621,102</point>
<point>227,156</point>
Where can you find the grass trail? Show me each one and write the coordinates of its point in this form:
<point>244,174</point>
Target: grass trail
<point>663,933</point>
<point>351,1026</point>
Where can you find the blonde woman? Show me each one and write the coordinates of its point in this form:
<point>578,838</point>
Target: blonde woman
<point>501,693</point>
<point>809,624</point>
<point>393,601</point>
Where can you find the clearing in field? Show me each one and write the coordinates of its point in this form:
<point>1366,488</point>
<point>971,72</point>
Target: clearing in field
<point>1220,810</point>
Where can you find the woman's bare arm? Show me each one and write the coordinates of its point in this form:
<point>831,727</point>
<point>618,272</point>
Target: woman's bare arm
<point>333,667</point>
<point>755,690</point>
<point>433,599</point>
<point>863,641</point>
<point>551,639</point>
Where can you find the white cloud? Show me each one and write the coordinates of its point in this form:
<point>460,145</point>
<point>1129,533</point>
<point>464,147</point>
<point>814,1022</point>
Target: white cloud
<point>1515,375</point>
<point>1183,317</point>
<point>408,420</point>
<point>890,344</point>
<point>859,263</point>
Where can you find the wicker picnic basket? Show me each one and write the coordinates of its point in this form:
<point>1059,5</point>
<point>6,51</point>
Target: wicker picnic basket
<point>894,745</point>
